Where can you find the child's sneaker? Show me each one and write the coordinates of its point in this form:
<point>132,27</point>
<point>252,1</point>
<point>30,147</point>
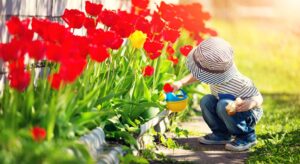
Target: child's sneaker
<point>212,139</point>
<point>240,145</point>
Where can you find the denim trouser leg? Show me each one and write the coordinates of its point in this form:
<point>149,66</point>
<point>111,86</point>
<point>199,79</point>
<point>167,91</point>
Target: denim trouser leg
<point>208,106</point>
<point>241,124</point>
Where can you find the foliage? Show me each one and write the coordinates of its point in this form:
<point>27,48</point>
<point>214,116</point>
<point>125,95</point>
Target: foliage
<point>131,159</point>
<point>16,147</point>
<point>97,79</point>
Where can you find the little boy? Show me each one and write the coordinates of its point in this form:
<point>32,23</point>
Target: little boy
<point>211,62</point>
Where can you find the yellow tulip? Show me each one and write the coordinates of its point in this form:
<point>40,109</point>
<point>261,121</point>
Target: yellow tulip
<point>138,39</point>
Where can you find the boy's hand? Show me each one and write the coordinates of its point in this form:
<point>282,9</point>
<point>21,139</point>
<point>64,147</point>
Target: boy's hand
<point>245,105</point>
<point>176,85</point>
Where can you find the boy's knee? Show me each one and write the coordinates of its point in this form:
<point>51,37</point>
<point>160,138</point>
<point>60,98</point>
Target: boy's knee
<point>207,101</point>
<point>221,106</point>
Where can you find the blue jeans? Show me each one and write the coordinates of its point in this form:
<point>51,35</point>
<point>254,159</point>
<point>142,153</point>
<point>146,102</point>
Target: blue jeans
<point>241,124</point>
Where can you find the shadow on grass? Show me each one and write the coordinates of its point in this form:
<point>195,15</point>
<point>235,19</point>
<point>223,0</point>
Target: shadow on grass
<point>278,148</point>
<point>279,130</point>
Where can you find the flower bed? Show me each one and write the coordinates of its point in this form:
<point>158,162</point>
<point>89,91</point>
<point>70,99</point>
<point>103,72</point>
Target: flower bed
<point>110,78</point>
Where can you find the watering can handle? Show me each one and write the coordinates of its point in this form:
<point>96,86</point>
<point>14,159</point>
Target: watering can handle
<point>183,92</point>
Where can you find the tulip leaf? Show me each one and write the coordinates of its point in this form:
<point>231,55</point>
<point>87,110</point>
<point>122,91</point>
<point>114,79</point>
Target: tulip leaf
<point>147,94</point>
<point>126,136</point>
<point>87,117</point>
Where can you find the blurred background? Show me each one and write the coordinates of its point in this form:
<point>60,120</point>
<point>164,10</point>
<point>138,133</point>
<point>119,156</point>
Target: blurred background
<point>265,35</point>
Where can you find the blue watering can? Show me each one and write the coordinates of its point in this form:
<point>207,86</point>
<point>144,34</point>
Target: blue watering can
<point>176,102</point>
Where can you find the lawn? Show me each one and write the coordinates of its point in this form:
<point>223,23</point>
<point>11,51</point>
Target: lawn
<point>270,56</point>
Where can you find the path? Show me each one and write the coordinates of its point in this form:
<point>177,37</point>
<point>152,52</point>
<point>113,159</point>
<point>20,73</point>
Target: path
<point>195,152</point>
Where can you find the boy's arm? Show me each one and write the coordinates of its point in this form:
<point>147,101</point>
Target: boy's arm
<point>258,100</point>
<point>189,79</point>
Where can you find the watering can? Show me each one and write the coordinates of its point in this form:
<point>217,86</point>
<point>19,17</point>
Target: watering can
<point>176,102</point>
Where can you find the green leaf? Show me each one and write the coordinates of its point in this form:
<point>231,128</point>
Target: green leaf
<point>127,137</point>
<point>87,117</point>
<point>166,77</point>
<point>110,96</point>
<point>138,88</point>
<point>131,159</point>
<point>147,94</point>
<point>166,67</point>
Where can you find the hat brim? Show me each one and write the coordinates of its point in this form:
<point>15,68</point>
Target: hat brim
<point>207,77</point>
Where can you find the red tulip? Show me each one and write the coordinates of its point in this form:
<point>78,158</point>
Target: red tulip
<point>198,38</point>
<point>168,88</point>
<point>98,53</point>
<point>170,50</point>
<point>40,26</point>
<point>153,46</point>
<point>196,10</point>
<point>194,25</point>
<point>167,11</point>
<point>54,52</point>
<point>18,78</point>
<point>123,27</point>
<point>108,38</point>
<point>89,23</point>
<point>75,47</point>
<point>148,71</point>
<point>55,33</point>
<point>157,24</point>
<point>38,133</point>
<point>19,28</point>
<point>140,3</point>
<point>129,17</point>
<point>108,18</point>
<point>154,55</point>
<point>186,49</point>
<point>36,50</point>
<point>155,36</point>
<point>140,12</point>
<point>12,51</point>
<point>55,81</point>
<point>15,26</point>
<point>92,8</point>
<point>116,43</point>
<point>175,23</point>
<point>71,68</point>
<point>173,59</point>
<point>210,31</point>
<point>1,46</point>
<point>82,43</point>
<point>96,36</point>
<point>74,18</point>
<point>171,35</point>
<point>143,25</point>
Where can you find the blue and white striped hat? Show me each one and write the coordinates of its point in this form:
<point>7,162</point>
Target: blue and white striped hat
<point>211,61</point>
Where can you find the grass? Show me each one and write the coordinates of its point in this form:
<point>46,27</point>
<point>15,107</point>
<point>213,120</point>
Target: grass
<point>279,131</point>
<point>270,57</point>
